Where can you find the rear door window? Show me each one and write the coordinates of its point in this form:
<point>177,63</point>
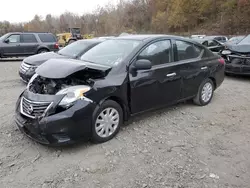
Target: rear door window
<point>212,43</point>
<point>186,50</point>
<point>28,38</point>
<point>46,37</point>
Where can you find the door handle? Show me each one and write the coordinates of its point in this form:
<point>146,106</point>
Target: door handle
<point>204,68</point>
<point>171,74</point>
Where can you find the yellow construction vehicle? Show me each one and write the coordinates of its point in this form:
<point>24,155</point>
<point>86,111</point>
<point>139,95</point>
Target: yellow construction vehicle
<point>73,35</point>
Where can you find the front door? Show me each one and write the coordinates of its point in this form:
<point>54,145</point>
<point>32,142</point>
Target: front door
<point>158,86</point>
<point>12,47</point>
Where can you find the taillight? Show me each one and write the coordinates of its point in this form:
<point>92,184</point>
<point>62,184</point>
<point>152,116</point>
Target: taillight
<point>56,46</point>
<point>221,60</point>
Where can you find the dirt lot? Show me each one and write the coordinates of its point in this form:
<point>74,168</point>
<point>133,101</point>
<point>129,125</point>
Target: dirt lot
<point>179,147</point>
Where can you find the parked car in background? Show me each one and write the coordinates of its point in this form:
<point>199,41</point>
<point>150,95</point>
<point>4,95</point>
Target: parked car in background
<point>221,39</point>
<point>90,98</point>
<point>234,40</point>
<point>211,44</point>
<point>237,57</point>
<point>106,37</point>
<point>197,36</point>
<point>72,51</point>
<point>24,44</point>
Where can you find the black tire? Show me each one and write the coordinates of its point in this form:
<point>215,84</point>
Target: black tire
<point>106,104</point>
<point>71,41</point>
<point>43,50</point>
<point>198,98</point>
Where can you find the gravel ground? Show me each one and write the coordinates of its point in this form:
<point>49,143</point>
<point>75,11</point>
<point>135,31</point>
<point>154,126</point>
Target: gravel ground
<point>181,146</point>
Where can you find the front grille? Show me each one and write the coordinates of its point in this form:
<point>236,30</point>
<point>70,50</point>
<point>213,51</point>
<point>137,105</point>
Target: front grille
<point>34,109</point>
<point>24,67</point>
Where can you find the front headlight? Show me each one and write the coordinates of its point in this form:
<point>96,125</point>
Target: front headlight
<point>226,52</point>
<point>31,80</point>
<point>72,94</point>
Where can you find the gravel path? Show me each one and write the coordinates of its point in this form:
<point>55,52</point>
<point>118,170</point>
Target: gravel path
<point>183,146</point>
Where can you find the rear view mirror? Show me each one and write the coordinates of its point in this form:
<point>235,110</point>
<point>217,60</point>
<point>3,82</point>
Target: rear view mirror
<point>143,64</point>
<point>7,40</point>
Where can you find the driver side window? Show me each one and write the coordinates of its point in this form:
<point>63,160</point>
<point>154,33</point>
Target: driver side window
<point>14,39</point>
<point>158,53</point>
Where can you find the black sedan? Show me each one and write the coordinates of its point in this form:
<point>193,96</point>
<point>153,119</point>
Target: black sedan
<point>237,57</point>
<point>72,51</point>
<point>91,98</point>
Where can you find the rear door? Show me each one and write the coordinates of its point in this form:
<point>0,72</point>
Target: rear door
<point>193,68</point>
<point>13,47</point>
<point>158,86</point>
<point>29,43</point>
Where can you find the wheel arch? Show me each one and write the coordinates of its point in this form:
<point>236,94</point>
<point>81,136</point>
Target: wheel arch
<point>121,103</point>
<point>214,81</point>
<point>42,48</point>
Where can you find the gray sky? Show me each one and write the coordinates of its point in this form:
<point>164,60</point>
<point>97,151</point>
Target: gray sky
<point>25,10</point>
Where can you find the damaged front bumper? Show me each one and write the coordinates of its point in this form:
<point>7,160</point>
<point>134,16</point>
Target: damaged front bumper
<point>236,64</point>
<point>40,118</point>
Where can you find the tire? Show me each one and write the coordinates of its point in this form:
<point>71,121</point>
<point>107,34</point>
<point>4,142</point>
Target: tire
<point>42,51</point>
<point>71,41</point>
<point>99,132</point>
<point>206,86</point>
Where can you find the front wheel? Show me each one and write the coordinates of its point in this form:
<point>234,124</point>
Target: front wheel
<point>205,93</point>
<point>106,121</point>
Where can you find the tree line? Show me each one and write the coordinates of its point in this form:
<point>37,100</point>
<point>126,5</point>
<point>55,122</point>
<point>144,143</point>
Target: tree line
<point>184,17</point>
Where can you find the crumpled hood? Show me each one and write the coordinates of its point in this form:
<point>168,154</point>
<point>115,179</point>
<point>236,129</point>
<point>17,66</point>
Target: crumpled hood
<point>62,68</point>
<point>240,48</point>
<point>39,59</point>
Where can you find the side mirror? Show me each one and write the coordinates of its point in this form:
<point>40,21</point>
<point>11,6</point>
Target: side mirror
<point>142,64</point>
<point>7,40</point>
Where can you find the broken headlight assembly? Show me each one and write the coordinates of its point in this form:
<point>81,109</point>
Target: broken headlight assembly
<point>31,80</point>
<point>72,94</point>
<point>226,52</point>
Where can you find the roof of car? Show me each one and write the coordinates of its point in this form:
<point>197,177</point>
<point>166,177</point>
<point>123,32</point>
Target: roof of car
<point>145,37</point>
<point>29,32</point>
<point>213,36</point>
<point>95,40</point>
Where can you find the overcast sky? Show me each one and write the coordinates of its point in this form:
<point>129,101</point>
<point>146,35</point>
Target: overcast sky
<point>25,10</point>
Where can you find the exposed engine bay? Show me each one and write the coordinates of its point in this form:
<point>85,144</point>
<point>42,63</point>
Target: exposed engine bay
<point>48,86</point>
<point>237,58</point>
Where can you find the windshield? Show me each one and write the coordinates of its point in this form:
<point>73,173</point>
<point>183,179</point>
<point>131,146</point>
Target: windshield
<point>3,37</point>
<point>110,52</point>
<point>75,30</point>
<point>75,48</point>
<point>246,40</point>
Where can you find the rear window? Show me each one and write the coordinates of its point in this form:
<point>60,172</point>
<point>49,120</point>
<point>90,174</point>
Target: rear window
<point>46,37</point>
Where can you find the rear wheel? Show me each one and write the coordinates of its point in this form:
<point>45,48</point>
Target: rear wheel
<point>71,41</point>
<point>205,93</point>
<point>42,51</point>
<point>106,121</point>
